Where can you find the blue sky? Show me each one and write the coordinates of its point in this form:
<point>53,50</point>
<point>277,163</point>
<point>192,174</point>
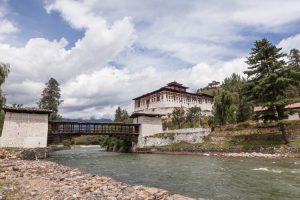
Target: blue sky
<point>114,50</point>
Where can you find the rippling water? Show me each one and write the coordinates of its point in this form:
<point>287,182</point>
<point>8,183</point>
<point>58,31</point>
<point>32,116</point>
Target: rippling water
<point>194,176</point>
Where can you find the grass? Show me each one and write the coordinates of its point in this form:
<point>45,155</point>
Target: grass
<point>295,143</point>
<point>241,141</point>
<point>164,135</point>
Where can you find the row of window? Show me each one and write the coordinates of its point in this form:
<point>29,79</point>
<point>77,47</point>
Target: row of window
<point>171,98</point>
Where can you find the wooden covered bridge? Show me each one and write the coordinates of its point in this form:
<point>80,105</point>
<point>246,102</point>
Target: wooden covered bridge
<point>61,130</point>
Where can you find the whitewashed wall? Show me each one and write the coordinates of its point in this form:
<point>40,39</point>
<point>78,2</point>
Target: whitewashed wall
<point>294,116</point>
<point>149,125</point>
<point>191,136</point>
<point>166,105</point>
<point>24,130</point>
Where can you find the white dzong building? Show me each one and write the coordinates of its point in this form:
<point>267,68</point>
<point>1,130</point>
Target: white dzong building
<point>173,95</point>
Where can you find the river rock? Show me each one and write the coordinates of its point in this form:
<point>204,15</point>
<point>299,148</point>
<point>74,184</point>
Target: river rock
<point>31,179</point>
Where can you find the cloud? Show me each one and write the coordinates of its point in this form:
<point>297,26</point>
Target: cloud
<point>40,59</point>
<point>6,26</point>
<point>289,43</point>
<point>134,47</point>
<point>269,15</point>
<point>197,31</point>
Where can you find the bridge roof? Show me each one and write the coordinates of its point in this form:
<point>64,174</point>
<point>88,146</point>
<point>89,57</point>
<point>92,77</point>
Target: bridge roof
<point>90,123</point>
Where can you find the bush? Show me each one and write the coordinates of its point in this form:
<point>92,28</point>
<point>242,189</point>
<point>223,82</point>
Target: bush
<point>67,143</point>
<point>88,140</point>
<point>243,125</point>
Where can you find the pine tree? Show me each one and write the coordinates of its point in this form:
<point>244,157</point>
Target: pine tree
<point>269,79</point>
<point>51,98</point>
<point>121,115</point>
<point>118,115</point>
<point>294,61</point>
<point>294,58</point>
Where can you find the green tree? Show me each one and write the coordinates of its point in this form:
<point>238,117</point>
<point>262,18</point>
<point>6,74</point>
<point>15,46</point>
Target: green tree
<point>224,109</point>
<point>244,109</point>
<point>294,61</point>
<point>294,58</point>
<point>118,115</point>
<point>178,117</point>
<point>121,115</point>
<point>235,84</point>
<point>4,71</point>
<point>268,80</point>
<point>51,98</point>
<point>193,115</point>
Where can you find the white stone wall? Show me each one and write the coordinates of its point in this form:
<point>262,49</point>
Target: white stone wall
<point>294,116</point>
<point>191,136</point>
<point>24,130</point>
<point>149,125</point>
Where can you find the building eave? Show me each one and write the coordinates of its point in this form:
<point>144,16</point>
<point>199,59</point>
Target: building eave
<point>175,91</point>
<point>138,114</point>
<point>26,110</point>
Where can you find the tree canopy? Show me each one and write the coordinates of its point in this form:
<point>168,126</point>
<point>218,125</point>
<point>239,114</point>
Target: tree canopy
<point>51,98</point>
<point>121,115</point>
<point>193,114</point>
<point>294,58</point>
<point>268,80</point>
<point>178,117</point>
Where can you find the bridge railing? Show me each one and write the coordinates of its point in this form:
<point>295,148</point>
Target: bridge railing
<point>92,128</point>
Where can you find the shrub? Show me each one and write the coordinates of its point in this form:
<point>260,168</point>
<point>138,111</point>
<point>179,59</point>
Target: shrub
<point>243,125</point>
<point>67,143</point>
<point>88,140</point>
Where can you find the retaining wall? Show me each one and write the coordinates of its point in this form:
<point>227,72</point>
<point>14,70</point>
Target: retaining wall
<point>191,135</point>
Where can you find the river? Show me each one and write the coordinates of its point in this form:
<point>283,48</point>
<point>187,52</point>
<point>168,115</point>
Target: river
<point>190,175</point>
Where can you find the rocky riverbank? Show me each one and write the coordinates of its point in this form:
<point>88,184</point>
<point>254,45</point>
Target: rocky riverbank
<point>40,179</point>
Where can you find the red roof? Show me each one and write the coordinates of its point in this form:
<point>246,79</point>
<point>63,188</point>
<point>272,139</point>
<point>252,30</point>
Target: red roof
<point>290,106</point>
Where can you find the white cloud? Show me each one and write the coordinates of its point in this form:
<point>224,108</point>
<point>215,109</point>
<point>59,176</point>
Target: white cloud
<point>269,14</point>
<point>40,59</point>
<point>6,26</point>
<point>197,31</point>
<point>289,43</point>
<point>148,40</point>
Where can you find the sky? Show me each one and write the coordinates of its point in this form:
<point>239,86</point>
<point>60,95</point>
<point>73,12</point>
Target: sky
<point>105,53</point>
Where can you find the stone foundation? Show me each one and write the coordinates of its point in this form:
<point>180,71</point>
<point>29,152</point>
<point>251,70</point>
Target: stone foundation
<point>192,136</point>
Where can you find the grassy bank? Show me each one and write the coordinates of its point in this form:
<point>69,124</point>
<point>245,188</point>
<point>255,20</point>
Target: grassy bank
<point>244,137</point>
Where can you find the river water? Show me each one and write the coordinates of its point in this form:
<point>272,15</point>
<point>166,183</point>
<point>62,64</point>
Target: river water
<point>190,175</point>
